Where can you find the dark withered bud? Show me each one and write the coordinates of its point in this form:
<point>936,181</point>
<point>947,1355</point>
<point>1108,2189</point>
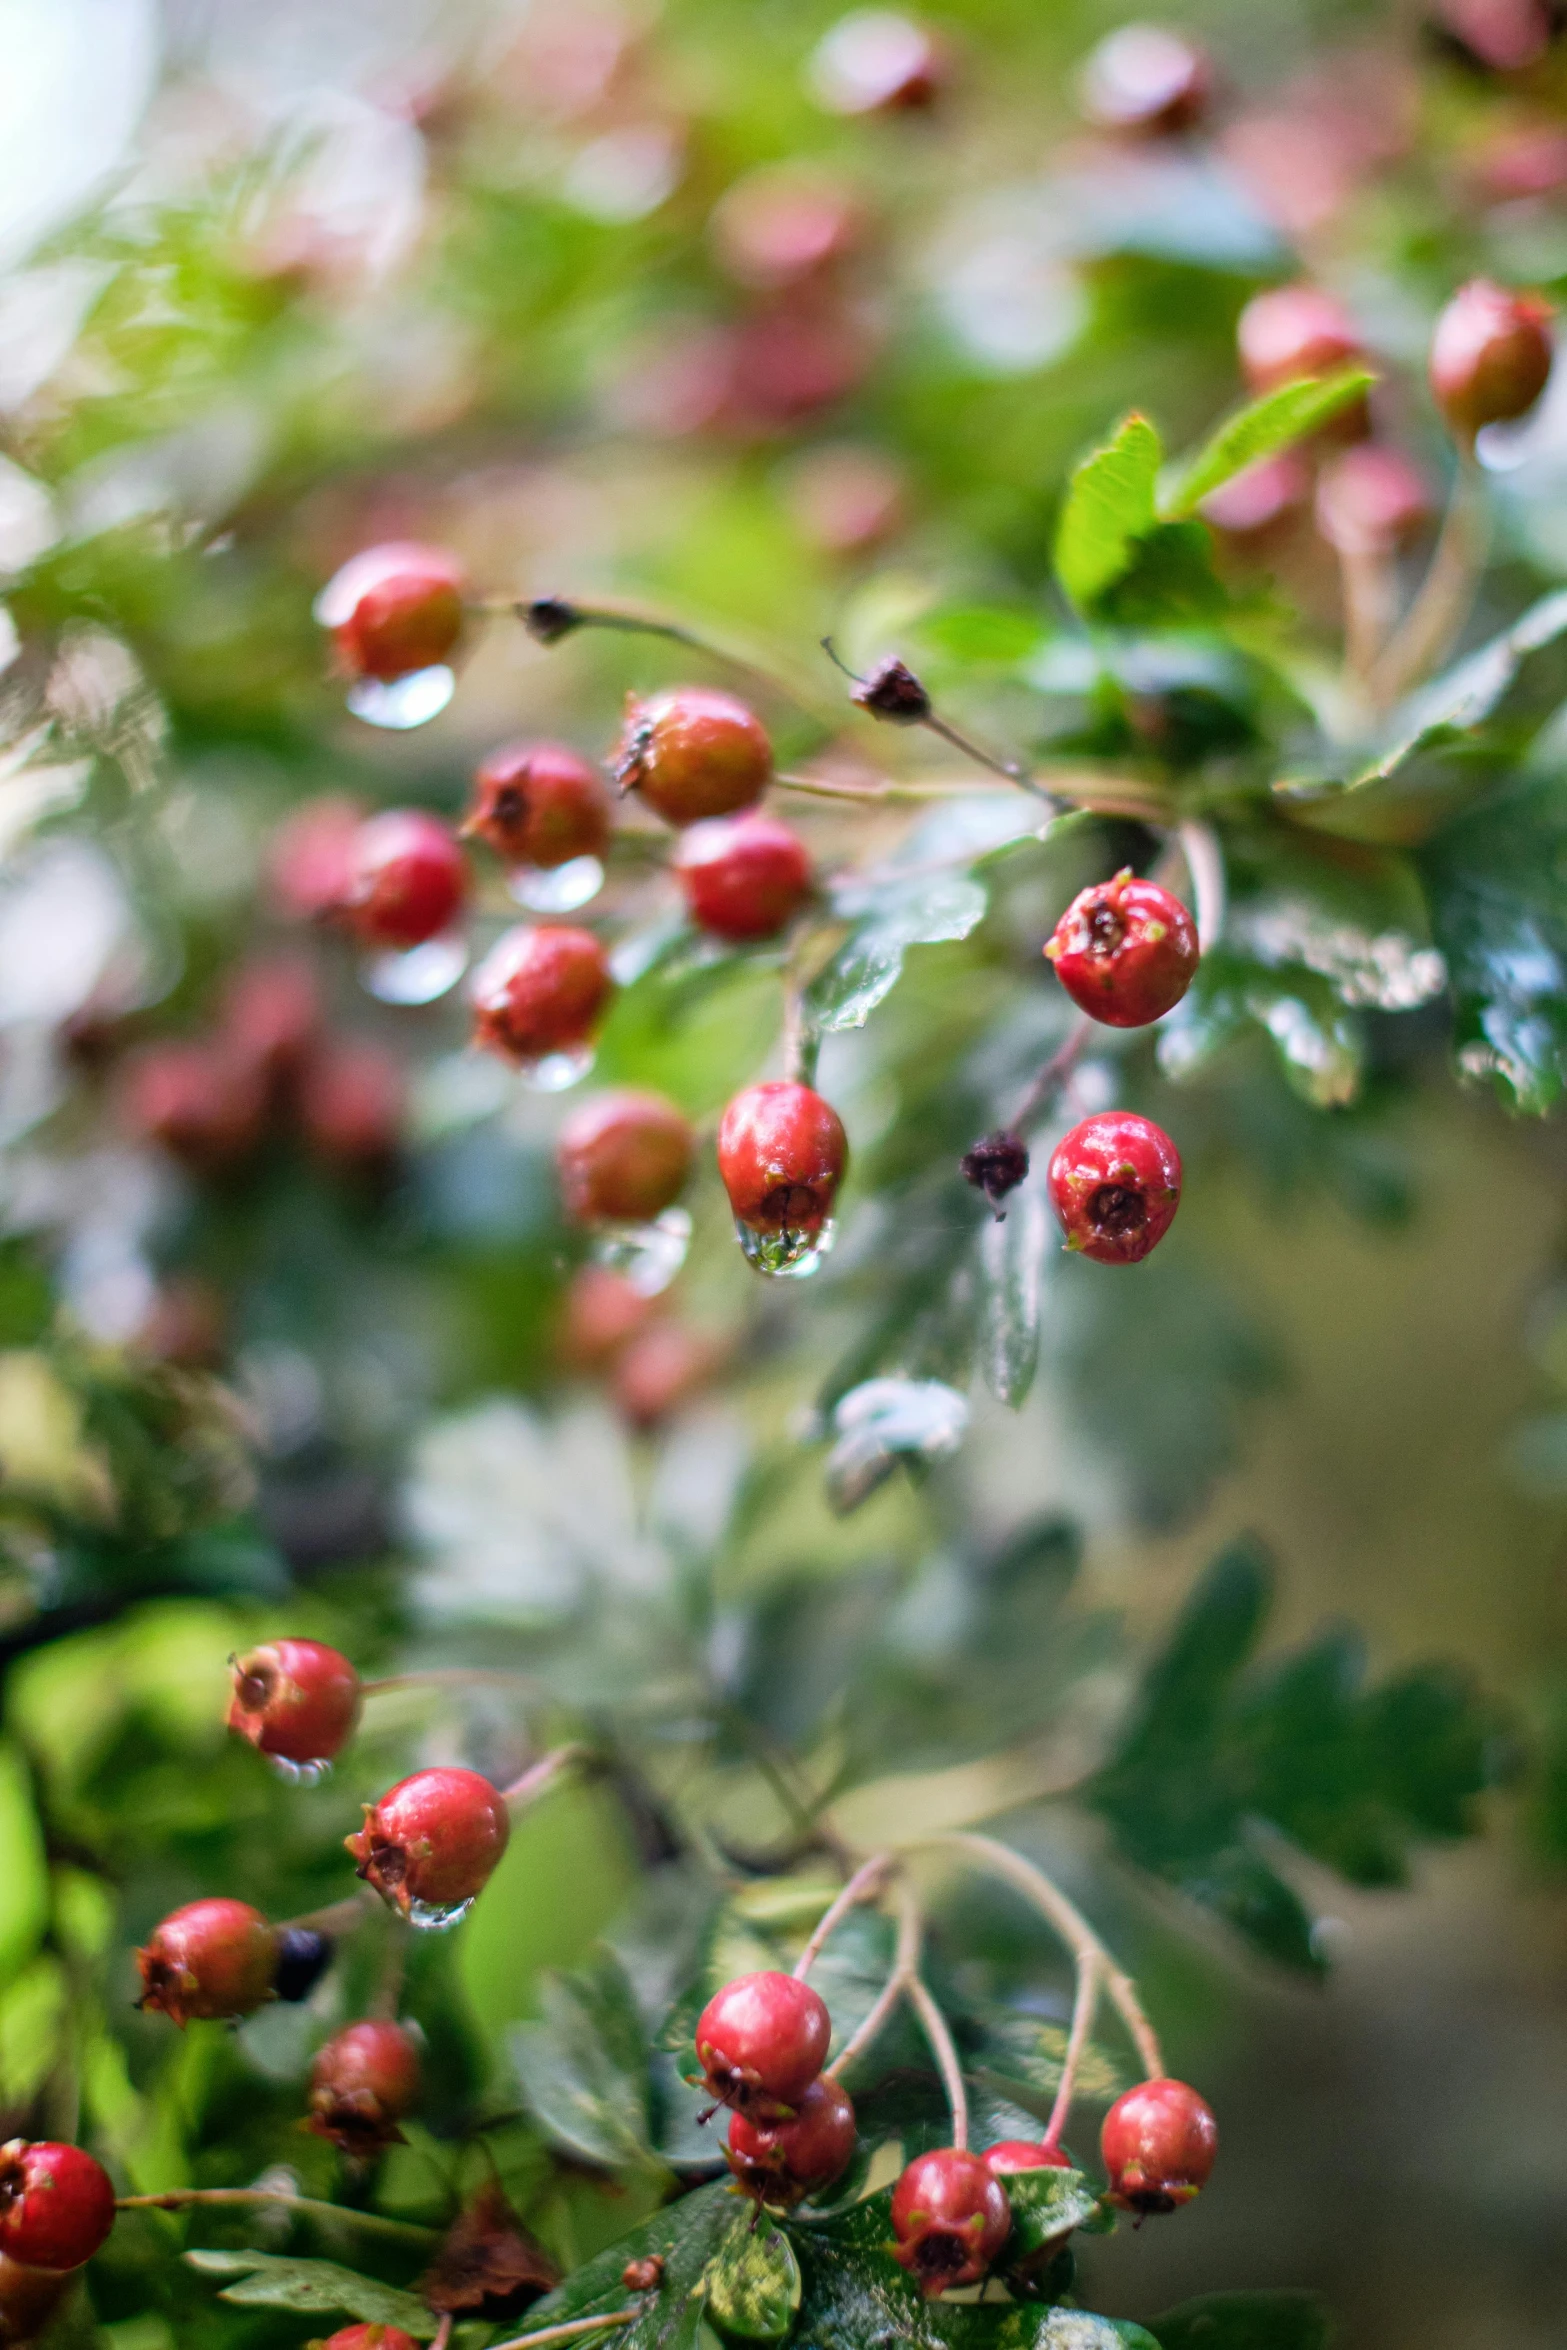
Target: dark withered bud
<point>488,2265</point>
<point>303,1957</point>
<point>893,692</point>
<point>996,1165</point>
<point>548,618</point>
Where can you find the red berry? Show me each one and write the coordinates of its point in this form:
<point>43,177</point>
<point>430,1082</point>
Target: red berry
<point>210,1959</point>
<point>623,1157</point>
<point>780,226</point>
<point>1025,2154</point>
<point>295,1698</point>
<point>1369,500</point>
<point>433,1839</point>
<point>743,876</point>
<point>370,2337</point>
<point>1260,495</point>
<point>352,1102</point>
<point>539,804</point>
<point>311,858</point>
<point>271,1014</point>
<point>693,752</point>
<point>394,609</point>
<point>761,2041</point>
<point>602,1312</point>
<point>845,497</point>
<point>876,62</point>
<point>782,1153</point>
<point>361,2085</point>
<point>951,2217</point>
<point>56,2204</point>
<point>779,2162</point>
<point>1147,82</point>
<point>1158,2144</point>
<point>1294,331</point>
<point>205,1104</point>
<point>1490,356</point>
<point>407,879</point>
<point>1115,1184</point>
<point>539,990</point>
<point>660,1369</point>
<point>1125,951</point>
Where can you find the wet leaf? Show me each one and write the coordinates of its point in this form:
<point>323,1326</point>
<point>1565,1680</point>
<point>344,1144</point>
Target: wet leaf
<point>583,2069</point>
<point>1047,2205</point>
<point>887,1420</point>
<point>1013,1255</point>
<point>1109,508</point>
<point>868,965</point>
<point>1262,429</point>
<point>683,2237</point>
<point>753,2281</point>
<point>313,2287</point>
<point>1498,886</point>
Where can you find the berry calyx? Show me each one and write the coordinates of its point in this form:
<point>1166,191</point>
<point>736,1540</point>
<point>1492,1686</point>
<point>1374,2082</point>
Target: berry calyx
<point>1115,1184</point>
<point>352,1102</point>
<point>303,1957</point>
<point>782,2162</point>
<point>56,2204</point>
<point>1125,951</point>
<point>743,876</point>
<point>1294,331</point>
<point>204,1104</point>
<point>1013,2154</point>
<point>1158,2142</point>
<point>1490,356</point>
<point>407,879</point>
<point>539,804</point>
<point>693,752</point>
<point>951,2217</point>
<point>539,990</point>
<point>394,609</point>
<point>369,2337</point>
<point>1146,82</point>
<point>623,1157</point>
<point>782,1153</point>
<point>433,1840</point>
<point>295,1698</point>
<point>361,2084</point>
<point>211,1959</point>
<point>761,2041</point>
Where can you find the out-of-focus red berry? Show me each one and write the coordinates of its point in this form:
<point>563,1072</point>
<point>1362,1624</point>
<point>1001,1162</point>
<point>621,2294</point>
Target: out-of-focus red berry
<point>1294,331</point>
<point>539,804</point>
<point>779,2162</point>
<point>1260,496</point>
<point>1146,82</point>
<point>311,858</point>
<point>1370,499</point>
<point>794,357</point>
<point>846,498</point>
<point>29,2298</point>
<point>693,752</point>
<point>56,2204</point>
<point>744,876</point>
<point>407,879</point>
<point>272,1013</point>
<point>781,225</point>
<point>951,2217</point>
<point>1490,356</point>
<point>1115,1184</point>
<point>660,1369</point>
<point>295,1698</point>
<point>1503,36</point>
<point>782,1153</point>
<point>433,1839</point>
<point>1125,951</point>
<point>210,1959</point>
<point>1158,2143</point>
<point>1520,161</point>
<point>875,61</point>
<point>540,990</point>
<point>602,1312</point>
<point>352,1102</point>
<point>623,1157</point>
<point>394,609</point>
<point>361,2085</point>
<point>761,2041</point>
<point>205,1103</point>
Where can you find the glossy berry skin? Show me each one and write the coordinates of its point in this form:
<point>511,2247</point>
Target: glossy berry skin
<point>1147,83</point>
<point>1115,1184</point>
<point>1490,356</point>
<point>1125,951</point>
<point>1158,2143</point>
<point>361,2084</point>
<point>434,1839</point>
<point>407,879</point>
<point>539,990</point>
<point>782,1153</point>
<point>875,61</point>
<point>951,2217</point>
<point>370,2337</point>
<point>295,1698</point>
<point>539,804</point>
<point>394,609</point>
<point>211,1959</point>
<point>202,1103</point>
<point>761,2041</point>
<point>352,1101</point>
<point>693,752</point>
<point>56,2204</point>
<point>1294,331</point>
<point>743,877</point>
<point>781,2162</point>
<point>623,1157</point>
<point>1011,2154</point>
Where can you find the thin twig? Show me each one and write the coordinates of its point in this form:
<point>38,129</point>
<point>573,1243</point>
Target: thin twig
<point>571,2331</point>
<point>1369,580</point>
<point>1053,1075</point>
<point>905,1965</point>
<point>1010,770</point>
<point>394,1965</point>
<point>632,620</point>
<point>1204,861</point>
<point>870,795</point>
<point>443,2332</point>
<point>1430,626</point>
<point>544,1773</point>
<point>934,2026</point>
<point>181,2198</point>
<point>1085,1999</point>
<point>865,1881</point>
<point>338,1917</point>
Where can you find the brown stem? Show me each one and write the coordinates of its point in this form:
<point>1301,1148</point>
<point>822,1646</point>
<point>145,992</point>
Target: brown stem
<point>905,1965</point>
<point>870,794</point>
<point>865,1882</point>
<point>338,1917</point>
<point>571,2331</point>
<point>635,620</point>
<point>1053,1075</point>
<point>183,2198</point>
<point>1084,2001</point>
<point>1431,625</point>
<point>394,1965</point>
<point>1010,770</point>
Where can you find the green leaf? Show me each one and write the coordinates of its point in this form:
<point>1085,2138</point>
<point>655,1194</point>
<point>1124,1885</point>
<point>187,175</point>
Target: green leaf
<point>1262,429</point>
<point>583,2069</point>
<point>1498,890</point>
<point>316,2288</point>
<point>1319,1045</point>
<point>1170,581</point>
<point>684,2236</point>
<point>1109,508</point>
<point>1245,2321</point>
<point>868,965</point>
<point>1012,1253</point>
<point>753,2281</point>
<point>1047,2205</point>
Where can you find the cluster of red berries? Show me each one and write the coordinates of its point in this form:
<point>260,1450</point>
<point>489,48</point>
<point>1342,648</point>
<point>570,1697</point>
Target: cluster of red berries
<point>651,1360</point>
<point>761,2043</point>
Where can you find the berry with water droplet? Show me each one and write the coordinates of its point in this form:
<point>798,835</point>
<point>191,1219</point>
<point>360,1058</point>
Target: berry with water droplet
<point>1011,2154</point>
<point>693,752</point>
<point>295,1698</point>
<point>1115,1184</point>
<point>743,876</point>
<point>204,1104</point>
<point>951,2217</point>
<point>361,2085</point>
<point>539,804</point>
<point>1294,331</point>
<point>781,2162</point>
<point>539,990</point>
<point>352,1103</point>
<point>394,609</point>
<point>623,1157</point>
<point>303,1957</point>
<point>761,2041</point>
<point>211,1959</point>
<point>1490,356</point>
<point>1158,2143</point>
<point>433,1839</point>
<point>407,879</point>
<point>1147,82</point>
<point>56,2204</point>
<point>782,1153</point>
<point>1125,951</point>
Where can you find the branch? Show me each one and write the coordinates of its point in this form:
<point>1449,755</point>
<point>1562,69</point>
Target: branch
<point>544,1773</point>
<point>453,1677</point>
<point>1204,861</point>
<point>1085,2000</point>
<point>934,2026</point>
<point>904,1967</point>
<point>865,1881</point>
<point>1053,1075</point>
<point>549,618</point>
<point>1435,618</point>
<point>570,2332</point>
<point>183,2198</point>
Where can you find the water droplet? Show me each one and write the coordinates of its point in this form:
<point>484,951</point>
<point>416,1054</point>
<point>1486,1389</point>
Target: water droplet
<point>300,1774</point>
<point>649,1255</point>
<point>558,889</point>
<point>419,975</point>
<point>431,1917</point>
<point>557,1071</point>
<point>407,701</point>
<point>789,1255</point>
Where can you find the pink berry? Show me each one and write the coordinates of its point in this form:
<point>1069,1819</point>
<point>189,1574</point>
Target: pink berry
<point>1146,82</point>
<point>744,876</point>
<point>623,1157</point>
<point>540,990</point>
<point>295,1698</point>
<point>1125,951</point>
<point>1158,2142</point>
<point>1011,2154</point>
<point>1115,1184</point>
<point>1294,331</point>
<point>693,752</point>
<point>407,879</point>
<point>951,2217</point>
<point>539,804</point>
<point>761,2041</point>
<point>361,2085</point>
<point>1370,499</point>
<point>311,858</point>
<point>203,1102</point>
<point>779,2162</point>
<point>353,1099</point>
<point>1490,356</point>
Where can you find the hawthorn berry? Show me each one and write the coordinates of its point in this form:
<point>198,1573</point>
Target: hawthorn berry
<point>311,858</point>
<point>1370,499</point>
<point>539,990</point>
<point>211,1959</point>
<point>781,2162</point>
<point>1011,2154</point>
<point>951,2217</point>
<point>1158,2142</point>
<point>1490,356</point>
<point>361,2085</point>
<point>623,1157</point>
<point>295,1698</point>
<point>394,609</point>
<point>761,2041</point>
<point>1146,82</point>
<point>352,1102</point>
<point>539,804</point>
<point>369,2337</point>
<point>272,1013</point>
<point>660,1369</point>
<point>1294,331</point>
<point>1115,1184</point>
<point>203,1103</point>
<point>782,1153</point>
<point>693,752</point>
<point>56,2204</point>
<point>1125,951</point>
<point>406,881</point>
<point>433,1840</point>
<point>303,1957</point>
<point>743,876</point>
<point>644,2275</point>
<point>1260,496</point>
<point>780,226</point>
<point>874,61</point>
<point>602,1312</point>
